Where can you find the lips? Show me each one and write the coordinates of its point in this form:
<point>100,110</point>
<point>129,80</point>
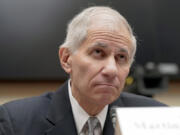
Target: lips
<point>106,85</point>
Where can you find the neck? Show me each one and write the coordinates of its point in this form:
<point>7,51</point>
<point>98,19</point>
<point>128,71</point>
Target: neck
<point>91,108</point>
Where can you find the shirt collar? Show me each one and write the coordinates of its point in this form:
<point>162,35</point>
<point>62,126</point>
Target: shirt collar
<point>80,115</point>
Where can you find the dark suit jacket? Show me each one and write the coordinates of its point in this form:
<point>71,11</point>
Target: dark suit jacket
<point>51,114</point>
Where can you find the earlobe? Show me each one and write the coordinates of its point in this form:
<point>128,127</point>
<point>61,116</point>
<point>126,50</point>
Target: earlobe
<point>65,59</point>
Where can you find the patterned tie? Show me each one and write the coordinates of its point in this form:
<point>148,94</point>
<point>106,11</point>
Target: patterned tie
<point>92,127</point>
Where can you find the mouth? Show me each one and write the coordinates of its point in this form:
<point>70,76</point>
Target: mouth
<point>106,85</point>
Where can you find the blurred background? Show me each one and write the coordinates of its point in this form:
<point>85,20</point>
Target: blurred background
<point>31,32</point>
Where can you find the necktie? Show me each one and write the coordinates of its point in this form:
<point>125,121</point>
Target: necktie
<point>92,127</point>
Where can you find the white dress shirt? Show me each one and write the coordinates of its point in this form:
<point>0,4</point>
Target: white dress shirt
<point>80,115</point>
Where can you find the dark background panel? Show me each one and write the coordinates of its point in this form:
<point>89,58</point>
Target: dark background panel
<point>31,32</point>
<point>168,30</point>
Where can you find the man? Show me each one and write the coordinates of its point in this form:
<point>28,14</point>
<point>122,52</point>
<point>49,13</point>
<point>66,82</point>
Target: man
<point>97,54</point>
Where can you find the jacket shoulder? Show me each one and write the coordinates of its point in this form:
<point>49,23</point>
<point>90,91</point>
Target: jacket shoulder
<point>27,105</point>
<point>20,114</point>
<point>133,100</point>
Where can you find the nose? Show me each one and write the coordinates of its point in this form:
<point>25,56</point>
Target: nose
<point>110,69</point>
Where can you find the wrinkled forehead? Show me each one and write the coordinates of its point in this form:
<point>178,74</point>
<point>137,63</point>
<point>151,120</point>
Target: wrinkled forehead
<point>101,33</point>
<point>108,35</point>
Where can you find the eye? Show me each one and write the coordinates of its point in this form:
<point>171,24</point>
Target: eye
<point>122,58</point>
<point>98,53</point>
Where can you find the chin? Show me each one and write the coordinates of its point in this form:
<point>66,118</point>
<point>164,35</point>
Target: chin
<point>104,100</point>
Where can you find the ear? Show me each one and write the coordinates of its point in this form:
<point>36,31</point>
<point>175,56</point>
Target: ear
<point>65,59</point>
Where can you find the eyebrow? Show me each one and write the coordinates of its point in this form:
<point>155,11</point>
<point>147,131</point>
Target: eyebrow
<point>100,44</point>
<point>104,45</point>
<point>123,50</point>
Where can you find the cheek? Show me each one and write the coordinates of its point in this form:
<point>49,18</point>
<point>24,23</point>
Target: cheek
<point>83,68</point>
<point>126,72</point>
<point>123,73</point>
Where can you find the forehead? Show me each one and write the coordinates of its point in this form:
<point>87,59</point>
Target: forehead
<point>108,37</point>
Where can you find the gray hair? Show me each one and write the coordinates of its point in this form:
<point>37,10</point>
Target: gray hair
<point>78,27</point>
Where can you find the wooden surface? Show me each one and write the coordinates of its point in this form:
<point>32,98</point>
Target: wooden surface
<point>17,90</point>
<point>171,96</point>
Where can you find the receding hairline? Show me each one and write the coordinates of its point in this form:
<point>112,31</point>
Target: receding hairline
<point>78,27</point>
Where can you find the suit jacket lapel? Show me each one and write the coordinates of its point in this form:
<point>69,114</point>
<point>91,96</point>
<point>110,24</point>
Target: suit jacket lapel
<point>64,127</point>
<point>108,127</point>
<point>60,117</point>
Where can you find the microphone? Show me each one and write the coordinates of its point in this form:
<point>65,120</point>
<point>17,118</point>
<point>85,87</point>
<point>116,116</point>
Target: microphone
<point>113,115</point>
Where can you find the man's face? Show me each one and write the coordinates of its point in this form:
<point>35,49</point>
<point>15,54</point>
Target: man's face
<point>100,66</point>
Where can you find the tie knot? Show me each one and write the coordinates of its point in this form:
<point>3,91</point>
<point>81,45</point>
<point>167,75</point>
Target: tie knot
<point>92,127</point>
<point>93,122</point>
